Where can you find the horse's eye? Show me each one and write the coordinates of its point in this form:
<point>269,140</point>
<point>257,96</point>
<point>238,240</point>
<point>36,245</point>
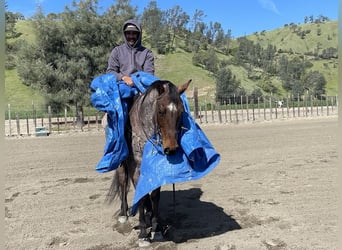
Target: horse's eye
<point>162,111</point>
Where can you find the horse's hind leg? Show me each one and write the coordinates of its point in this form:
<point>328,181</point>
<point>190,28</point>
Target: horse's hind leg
<point>123,186</point>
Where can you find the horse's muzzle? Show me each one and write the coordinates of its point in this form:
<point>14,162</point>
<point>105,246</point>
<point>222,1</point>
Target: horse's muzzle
<point>170,151</point>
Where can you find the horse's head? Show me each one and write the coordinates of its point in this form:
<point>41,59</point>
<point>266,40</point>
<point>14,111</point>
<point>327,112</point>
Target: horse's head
<point>169,113</point>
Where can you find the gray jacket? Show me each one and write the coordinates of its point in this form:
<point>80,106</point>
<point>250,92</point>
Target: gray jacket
<point>125,60</point>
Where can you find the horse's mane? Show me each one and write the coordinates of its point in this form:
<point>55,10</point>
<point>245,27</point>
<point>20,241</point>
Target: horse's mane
<point>163,87</point>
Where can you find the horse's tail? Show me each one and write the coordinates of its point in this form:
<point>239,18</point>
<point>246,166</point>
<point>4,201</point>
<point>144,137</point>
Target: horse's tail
<point>120,185</point>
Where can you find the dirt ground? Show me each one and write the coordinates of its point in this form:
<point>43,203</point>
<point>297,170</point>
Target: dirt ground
<point>275,188</point>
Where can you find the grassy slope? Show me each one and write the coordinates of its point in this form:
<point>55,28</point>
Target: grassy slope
<point>18,94</point>
<point>177,67</point>
<point>286,39</point>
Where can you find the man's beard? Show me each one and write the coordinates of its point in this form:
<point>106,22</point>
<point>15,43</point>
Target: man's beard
<point>132,42</point>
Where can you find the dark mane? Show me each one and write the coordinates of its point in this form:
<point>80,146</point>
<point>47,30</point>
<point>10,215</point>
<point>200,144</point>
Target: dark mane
<point>159,85</point>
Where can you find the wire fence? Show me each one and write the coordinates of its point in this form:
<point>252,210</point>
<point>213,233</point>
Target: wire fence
<point>246,109</point>
<point>41,120</point>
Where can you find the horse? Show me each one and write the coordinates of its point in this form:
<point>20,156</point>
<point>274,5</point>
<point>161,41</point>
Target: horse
<point>157,112</point>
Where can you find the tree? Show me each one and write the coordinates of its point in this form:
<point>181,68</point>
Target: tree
<point>227,41</point>
<point>206,59</point>
<point>227,86</point>
<point>71,50</point>
<point>315,82</point>
<point>11,33</point>
<point>154,24</point>
<point>176,20</point>
<point>196,19</point>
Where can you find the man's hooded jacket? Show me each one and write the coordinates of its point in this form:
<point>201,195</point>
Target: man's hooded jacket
<point>126,60</point>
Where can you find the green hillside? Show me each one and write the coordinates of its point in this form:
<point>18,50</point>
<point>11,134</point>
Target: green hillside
<point>177,66</point>
<point>290,37</point>
<point>318,36</point>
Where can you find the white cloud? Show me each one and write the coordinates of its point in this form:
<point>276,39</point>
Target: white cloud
<point>269,5</point>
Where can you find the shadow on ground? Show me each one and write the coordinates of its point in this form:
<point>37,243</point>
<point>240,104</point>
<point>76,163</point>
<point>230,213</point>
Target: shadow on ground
<point>192,218</point>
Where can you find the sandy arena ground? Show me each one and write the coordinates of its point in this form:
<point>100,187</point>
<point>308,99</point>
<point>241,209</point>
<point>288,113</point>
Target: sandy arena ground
<point>275,188</point>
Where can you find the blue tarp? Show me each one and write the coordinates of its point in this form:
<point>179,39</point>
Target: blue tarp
<point>111,97</point>
<point>195,158</point>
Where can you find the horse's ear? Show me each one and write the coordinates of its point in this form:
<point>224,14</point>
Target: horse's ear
<point>182,88</point>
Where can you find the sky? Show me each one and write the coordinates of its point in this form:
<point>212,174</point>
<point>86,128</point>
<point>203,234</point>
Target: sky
<point>242,17</point>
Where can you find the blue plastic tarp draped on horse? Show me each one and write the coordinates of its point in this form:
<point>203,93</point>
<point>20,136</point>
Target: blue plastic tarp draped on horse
<point>195,158</point>
<point>111,97</point>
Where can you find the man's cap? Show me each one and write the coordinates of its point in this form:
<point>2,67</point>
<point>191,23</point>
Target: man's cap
<point>131,27</point>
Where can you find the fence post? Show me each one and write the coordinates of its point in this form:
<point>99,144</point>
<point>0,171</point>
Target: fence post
<point>200,114</point>
<point>97,118</point>
<point>9,120</point>
<point>247,111</point>
<point>316,106</point>
<point>293,106</point>
<point>287,107</point>
<point>65,117</point>
<point>230,110</point>
<point>205,112</point>
<point>34,115</point>
<point>88,119</point>
<point>264,108</point>
<point>258,107</point>
<point>219,112</point>
<point>225,111</point>
<point>27,124</point>
<point>195,102</point>
<point>241,107</point>
<point>18,123</point>
<point>253,109</point>
<point>321,102</point>
<point>236,113</point>
<point>311,108</point>
<point>270,102</point>
<point>212,112</point>
<point>49,116</point>
<point>298,106</point>
<point>58,123</point>
<point>81,122</point>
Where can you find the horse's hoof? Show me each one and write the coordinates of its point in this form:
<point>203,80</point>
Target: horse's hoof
<point>144,242</point>
<point>157,236</point>
<point>122,219</point>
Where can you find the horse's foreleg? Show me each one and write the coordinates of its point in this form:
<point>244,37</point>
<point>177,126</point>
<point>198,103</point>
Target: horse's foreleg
<point>156,233</point>
<point>144,233</point>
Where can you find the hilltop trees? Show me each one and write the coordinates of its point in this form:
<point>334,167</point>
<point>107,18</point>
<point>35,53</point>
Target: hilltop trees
<point>11,33</point>
<point>227,86</point>
<point>72,47</point>
<point>153,19</point>
<point>295,79</point>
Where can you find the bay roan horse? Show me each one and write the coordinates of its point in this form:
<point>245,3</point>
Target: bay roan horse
<point>156,112</point>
